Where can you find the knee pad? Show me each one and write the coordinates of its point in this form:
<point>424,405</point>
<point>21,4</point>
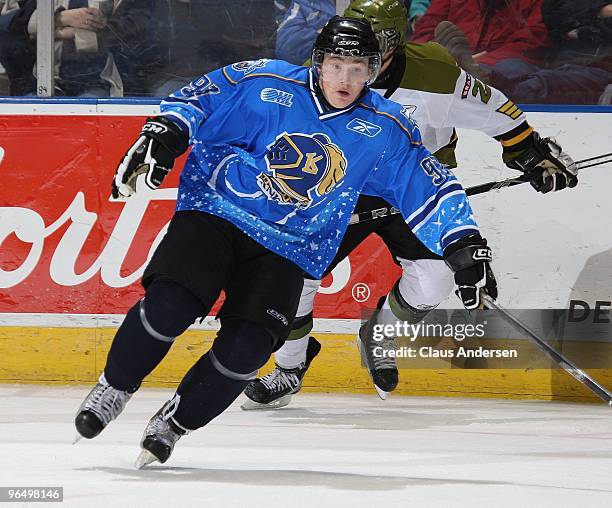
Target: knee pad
<point>425,282</point>
<point>168,309</point>
<point>240,349</point>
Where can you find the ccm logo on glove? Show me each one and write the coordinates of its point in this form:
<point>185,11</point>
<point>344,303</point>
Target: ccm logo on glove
<point>160,142</point>
<point>482,255</point>
<point>154,128</point>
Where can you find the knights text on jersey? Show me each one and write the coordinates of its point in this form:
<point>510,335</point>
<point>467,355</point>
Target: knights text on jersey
<point>268,156</point>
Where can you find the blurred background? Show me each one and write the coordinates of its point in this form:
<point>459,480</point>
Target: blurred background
<point>536,51</point>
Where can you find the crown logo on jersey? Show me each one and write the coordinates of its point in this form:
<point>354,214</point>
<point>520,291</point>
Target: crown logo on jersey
<point>303,167</point>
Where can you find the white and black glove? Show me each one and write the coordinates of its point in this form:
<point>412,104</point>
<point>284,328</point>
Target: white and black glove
<point>160,143</point>
<point>470,259</point>
<point>543,160</point>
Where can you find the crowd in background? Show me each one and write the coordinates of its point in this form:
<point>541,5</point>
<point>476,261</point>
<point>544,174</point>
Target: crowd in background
<point>536,51</point>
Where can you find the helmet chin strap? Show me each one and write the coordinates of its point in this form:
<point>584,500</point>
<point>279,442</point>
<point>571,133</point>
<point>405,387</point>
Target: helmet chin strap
<point>386,63</point>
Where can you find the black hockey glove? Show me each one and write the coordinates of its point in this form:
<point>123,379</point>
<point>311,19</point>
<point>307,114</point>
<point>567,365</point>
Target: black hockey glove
<point>159,144</point>
<point>548,167</point>
<point>469,258</point>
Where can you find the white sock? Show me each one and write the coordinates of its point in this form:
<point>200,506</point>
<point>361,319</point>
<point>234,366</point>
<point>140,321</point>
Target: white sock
<point>292,354</point>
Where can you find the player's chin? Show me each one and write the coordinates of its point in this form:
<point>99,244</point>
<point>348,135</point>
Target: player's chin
<point>343,98</point>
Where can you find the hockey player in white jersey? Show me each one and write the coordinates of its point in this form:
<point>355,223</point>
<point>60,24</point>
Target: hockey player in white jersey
<point>279,156</point>
<point>440,96</point>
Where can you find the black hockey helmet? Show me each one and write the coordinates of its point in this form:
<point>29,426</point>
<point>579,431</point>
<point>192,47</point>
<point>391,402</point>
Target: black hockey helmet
<point>348,37</point>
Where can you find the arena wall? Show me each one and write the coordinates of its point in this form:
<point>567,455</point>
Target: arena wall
<point>70,258</point>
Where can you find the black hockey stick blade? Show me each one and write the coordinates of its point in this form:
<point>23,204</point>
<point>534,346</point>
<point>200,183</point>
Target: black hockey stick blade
<point>557,357</point>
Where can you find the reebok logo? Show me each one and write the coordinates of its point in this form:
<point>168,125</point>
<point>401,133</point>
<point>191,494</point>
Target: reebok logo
<point>363,127</point>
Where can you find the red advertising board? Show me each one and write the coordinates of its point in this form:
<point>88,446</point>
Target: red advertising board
<point>65,247</point>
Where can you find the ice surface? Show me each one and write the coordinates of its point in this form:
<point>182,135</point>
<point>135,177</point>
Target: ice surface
<point>322,450</point>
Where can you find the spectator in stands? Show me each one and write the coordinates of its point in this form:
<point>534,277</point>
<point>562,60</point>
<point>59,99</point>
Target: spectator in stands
<point>103,47</point>
<point>17,51</point>
<point>579,69</point>
<point>4,81</point>
<point>582,32</point>
<point>495,30</point>
<point>208,34</point>
<point>119,55</point>
<point>416,10</point>
<point>298,26</point>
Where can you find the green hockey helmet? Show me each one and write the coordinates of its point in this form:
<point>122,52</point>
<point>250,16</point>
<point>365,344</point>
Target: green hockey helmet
<point>389,19</point>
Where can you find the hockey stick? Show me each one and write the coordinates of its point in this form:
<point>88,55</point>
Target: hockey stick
<point>557,357</point>
<point>511,182</point>
<point>478,189</point>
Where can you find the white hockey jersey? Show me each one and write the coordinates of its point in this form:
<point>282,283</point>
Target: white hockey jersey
<point>441,96</point>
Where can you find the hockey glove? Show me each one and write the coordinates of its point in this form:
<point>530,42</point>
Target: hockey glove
<point>469,258</point>
<point>159,144</point>
<point>548,167</point>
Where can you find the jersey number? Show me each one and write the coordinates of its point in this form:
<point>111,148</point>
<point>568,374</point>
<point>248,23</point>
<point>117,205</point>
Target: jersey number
<point>200,87</point>
<point>436,171</point>
<point>483,90</point>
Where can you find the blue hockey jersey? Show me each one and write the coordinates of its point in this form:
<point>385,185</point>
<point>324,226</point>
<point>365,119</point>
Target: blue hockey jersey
<point>271,158</point>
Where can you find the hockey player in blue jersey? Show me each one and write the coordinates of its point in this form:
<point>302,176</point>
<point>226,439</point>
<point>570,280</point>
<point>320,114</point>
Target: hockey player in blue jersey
<point>279,155</point>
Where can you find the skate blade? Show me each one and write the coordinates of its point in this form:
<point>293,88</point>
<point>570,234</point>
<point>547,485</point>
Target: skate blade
<point>249,405</point>
<point>144,459</point>
<point>381,393</point>
<point>362,355</point>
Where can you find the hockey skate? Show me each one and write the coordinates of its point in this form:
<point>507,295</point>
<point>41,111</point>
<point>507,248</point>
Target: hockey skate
<point>160,435</point>
<point>382,369</point>
<point>102,405</point>
<point>276,389</point>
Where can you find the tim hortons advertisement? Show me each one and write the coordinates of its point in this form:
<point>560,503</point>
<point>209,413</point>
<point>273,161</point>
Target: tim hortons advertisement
<point>65,247</point>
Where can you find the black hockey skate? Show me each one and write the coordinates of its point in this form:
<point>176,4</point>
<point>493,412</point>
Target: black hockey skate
<point>382,369</point>
<point>102,405</point>
<point>275,389</point>
<point>160,435</point>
